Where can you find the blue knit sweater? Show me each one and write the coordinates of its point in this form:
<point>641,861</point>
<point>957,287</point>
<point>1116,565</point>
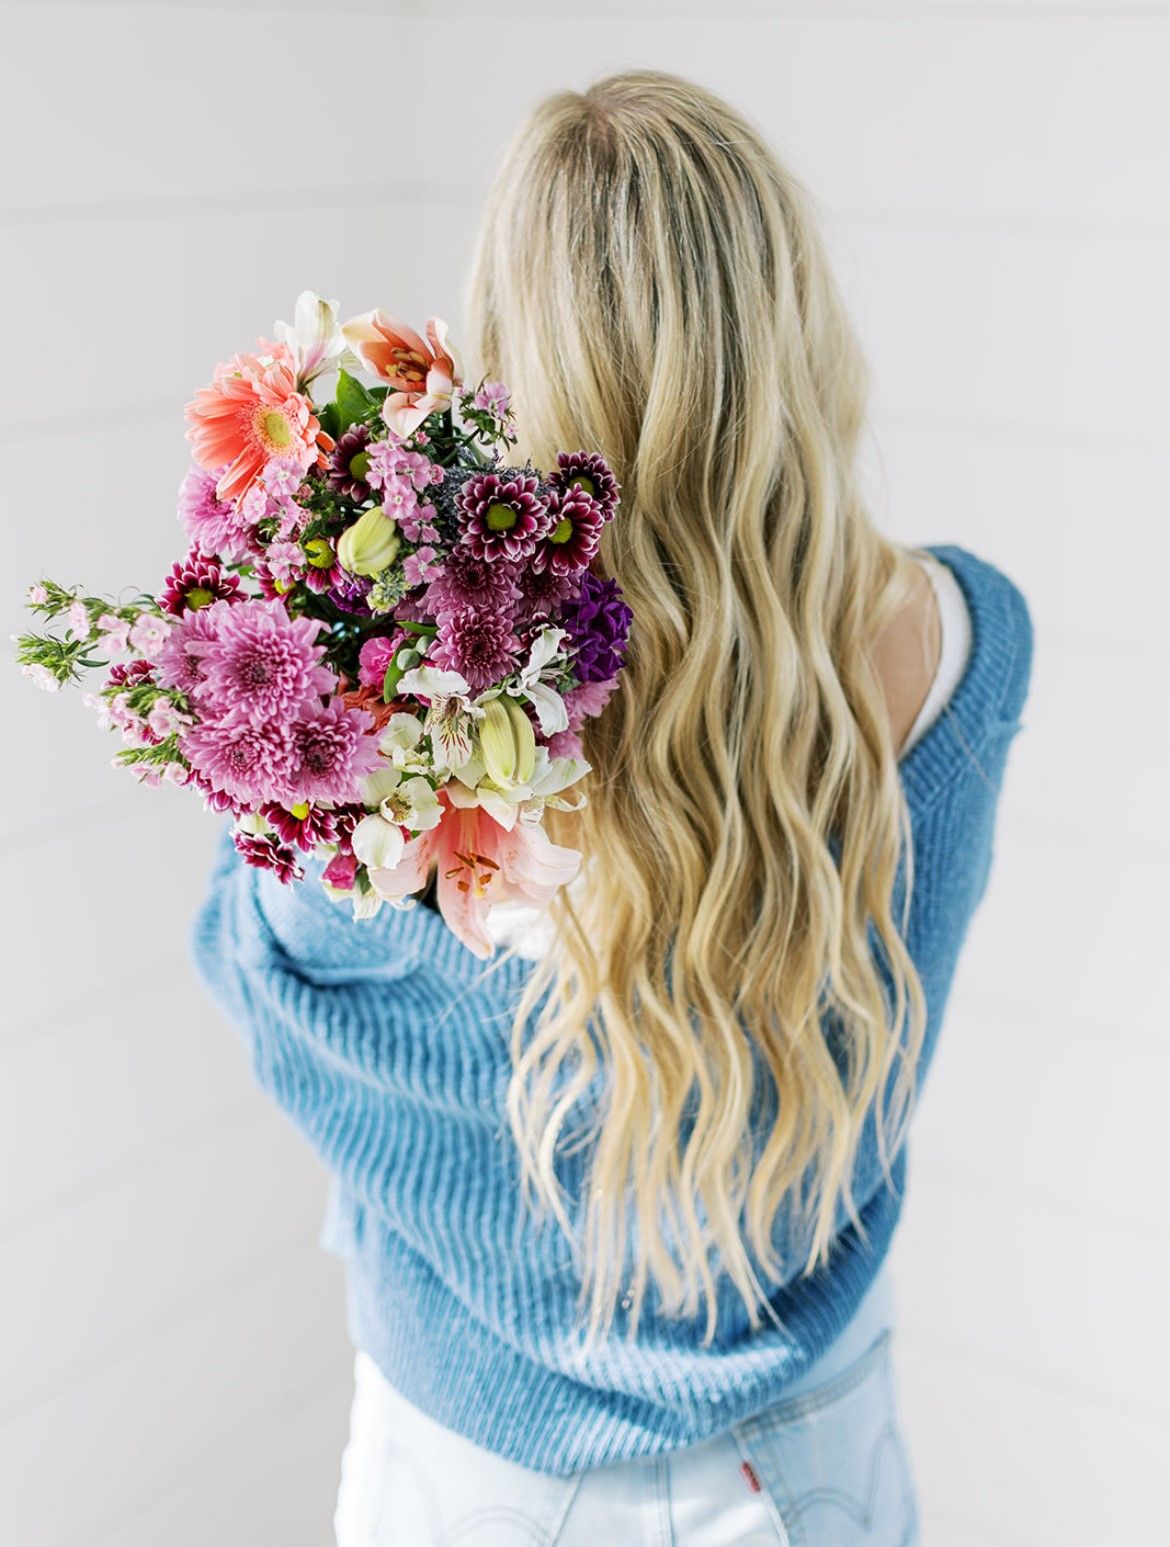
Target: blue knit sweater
<point>387,1045</point>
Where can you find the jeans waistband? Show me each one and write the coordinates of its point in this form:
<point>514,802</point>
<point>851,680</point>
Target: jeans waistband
<point>874,1313</point>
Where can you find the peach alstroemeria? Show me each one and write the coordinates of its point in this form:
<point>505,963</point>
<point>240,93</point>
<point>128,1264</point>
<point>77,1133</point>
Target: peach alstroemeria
<point>423,372</point>
<point>479,864</point>
<point>251,413</point>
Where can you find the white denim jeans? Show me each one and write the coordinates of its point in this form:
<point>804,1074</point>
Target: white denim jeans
<point>825,1467</point>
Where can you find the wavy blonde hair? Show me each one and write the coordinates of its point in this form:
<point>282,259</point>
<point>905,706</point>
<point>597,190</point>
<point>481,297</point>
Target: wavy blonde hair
<point>650,284</point>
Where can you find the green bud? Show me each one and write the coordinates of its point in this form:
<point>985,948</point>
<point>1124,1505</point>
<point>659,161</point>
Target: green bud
<point>370,545</point>
<point>507,743</point>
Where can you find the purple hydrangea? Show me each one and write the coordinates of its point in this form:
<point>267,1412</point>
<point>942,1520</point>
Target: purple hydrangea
<point>598,621</point>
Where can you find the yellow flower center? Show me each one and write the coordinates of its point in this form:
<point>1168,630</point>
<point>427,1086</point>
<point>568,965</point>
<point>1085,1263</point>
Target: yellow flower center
<point>318,552</point>
<point>198,597</point>
<point>274,428</point>
<point>300,810</point>
<point>562,531</point>
<point>501,518</point>
<point>359,466</point>
<point>581,482</point>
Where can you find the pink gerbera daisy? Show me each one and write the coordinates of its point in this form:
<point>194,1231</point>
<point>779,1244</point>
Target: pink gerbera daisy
<point>251,412</point>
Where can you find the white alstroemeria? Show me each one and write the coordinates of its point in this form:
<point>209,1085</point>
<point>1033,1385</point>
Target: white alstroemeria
<point>548,703</point>
<point>365,904</point>
<point>448,720</point>
<point>400,740</point>
<point>508,804</point>
<point>410,802</point>
<point>314,337</point>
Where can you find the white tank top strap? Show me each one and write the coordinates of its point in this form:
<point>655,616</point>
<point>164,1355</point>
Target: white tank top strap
<point>956,647</point>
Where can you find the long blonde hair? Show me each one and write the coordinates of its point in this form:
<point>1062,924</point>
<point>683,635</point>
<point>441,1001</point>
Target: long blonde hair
<point>649,283</point>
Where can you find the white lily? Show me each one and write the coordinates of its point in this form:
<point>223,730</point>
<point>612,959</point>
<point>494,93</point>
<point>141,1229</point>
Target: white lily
<point>548,703</point>
<point>448,720</point>
<point>314,337</point>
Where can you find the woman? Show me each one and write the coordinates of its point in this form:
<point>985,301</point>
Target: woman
<point>616,1208</point>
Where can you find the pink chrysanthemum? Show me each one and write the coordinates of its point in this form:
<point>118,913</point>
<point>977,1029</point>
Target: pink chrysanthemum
<point>574,532</point>
<point>502,517</point>
<point>466,579</point>
<point>250,414</point>
<point>543,592</point>
<point>213,799</point>
<point>180,666</point>
<point>265,853</point>
<point>215,528</point>
<point>262,665</point>
<point>250,762</point>
<point>587,471</point>
<point>479,645</point>
<point>195,582</point>
<point>375,656</point>
<point>331,753</point>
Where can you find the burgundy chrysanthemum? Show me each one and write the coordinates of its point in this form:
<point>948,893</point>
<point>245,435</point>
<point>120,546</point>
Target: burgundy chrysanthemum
<point>587,471</point>
<point>501,517</point>
<point>466,579</point>
<point>574,533</point>
<point>129,674</point>
<point>318,825</point>
<point>265,853</point>
<point>196,582</point>
<point>479,645</point>
<point>349,464</point>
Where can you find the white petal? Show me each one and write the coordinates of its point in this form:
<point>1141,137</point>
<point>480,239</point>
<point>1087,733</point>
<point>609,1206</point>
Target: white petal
<point>432,682</point>
<point>550,707</point>
<point>378,843</point>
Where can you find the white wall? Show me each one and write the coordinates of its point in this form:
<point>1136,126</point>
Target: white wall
<point>994,180</point>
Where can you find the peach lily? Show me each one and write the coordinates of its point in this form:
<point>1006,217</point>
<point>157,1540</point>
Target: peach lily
<point>423,372</point>
<point>479,864</point>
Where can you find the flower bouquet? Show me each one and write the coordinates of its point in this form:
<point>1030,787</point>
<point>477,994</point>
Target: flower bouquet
<point>384,639</point>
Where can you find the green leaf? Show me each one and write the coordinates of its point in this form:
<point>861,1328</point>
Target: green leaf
<point>353,401</point>
<point>391,680</point>
<point>327,416</point>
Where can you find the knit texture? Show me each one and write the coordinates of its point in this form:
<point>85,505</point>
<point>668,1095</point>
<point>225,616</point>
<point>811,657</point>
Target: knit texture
<point>386,1043</point>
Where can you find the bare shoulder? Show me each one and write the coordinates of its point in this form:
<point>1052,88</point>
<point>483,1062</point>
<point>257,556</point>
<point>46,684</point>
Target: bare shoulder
<point>906,653</point>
